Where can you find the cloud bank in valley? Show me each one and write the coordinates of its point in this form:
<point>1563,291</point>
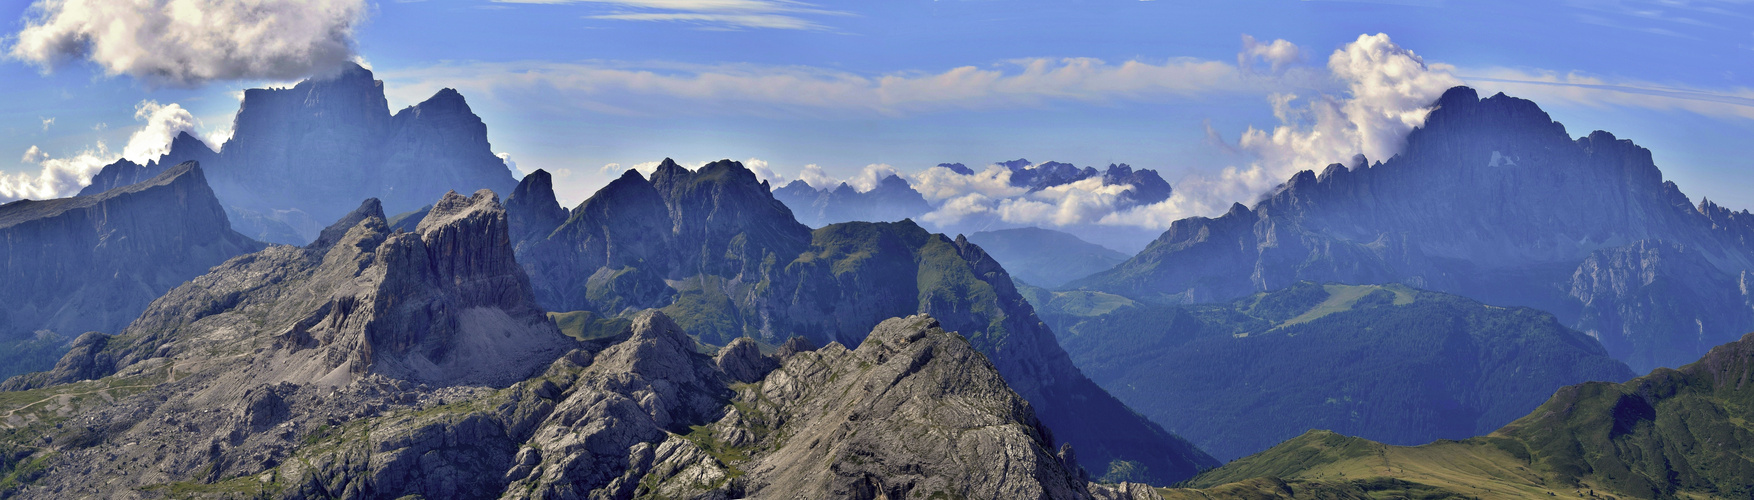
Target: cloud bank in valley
<point>187,43</point>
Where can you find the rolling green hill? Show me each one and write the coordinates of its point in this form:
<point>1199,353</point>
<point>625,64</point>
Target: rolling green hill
<point>1390,363</point>
<point>1677,434</point>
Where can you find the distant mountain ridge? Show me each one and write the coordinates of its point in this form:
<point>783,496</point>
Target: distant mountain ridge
<point>1490,199</point>
<point>301,155</point>
<point>1389,363</point>
<point>93,263</point>
<point>1044,257</point>
<point>715,250</point>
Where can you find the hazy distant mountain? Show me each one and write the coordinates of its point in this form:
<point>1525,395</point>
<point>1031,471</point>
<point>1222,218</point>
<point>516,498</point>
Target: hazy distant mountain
<point>1670,434</point>
<point>1389,363</point>
<point>301,156</point>
<point>92,263</point>
<point>715,250</point>
<point>1044,257</point>
<point>1492,200</point>
<point>892,200</point>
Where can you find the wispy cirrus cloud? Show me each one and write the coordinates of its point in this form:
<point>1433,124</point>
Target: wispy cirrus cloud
<point>1555,88</point>
<point>719,14</point>
<point>794,91</point>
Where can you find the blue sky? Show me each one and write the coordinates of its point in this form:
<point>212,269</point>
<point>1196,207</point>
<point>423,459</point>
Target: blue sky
<point>585,88</point>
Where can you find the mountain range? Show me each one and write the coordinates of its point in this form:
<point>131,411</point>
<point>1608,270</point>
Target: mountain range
<point>1491,200</point>
<point>301,156</point>
<point>1045,257</point>
<point>713,249</point>
<point>380,363</point>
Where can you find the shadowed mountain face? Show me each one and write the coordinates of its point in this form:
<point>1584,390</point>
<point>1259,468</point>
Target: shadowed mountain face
<point>1492,200</point>
<point>305,154</point>
<point>1670,434</point>
<point>1044,257</point>
<point>714,250</point>
<point>1388,363</point>
<point>92,263</point>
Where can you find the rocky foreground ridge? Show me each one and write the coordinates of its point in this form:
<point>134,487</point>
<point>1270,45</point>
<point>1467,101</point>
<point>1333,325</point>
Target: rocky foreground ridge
<point>93,263</point>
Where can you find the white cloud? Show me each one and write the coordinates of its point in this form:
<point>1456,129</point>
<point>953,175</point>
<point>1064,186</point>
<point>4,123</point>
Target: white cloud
<point>187,43</point>
<point>813,175</point>
<point>100,127</point>
<point>163,123</point>
<point>513,165</point>
<point>1277,54</point>
<point>58,178</point>
<point>764,173</point>
<point>868,177</point>
<point>34,155</point>
<point>63,177</point>
<point>745,89</point>
<point>733,14</point>
<point>47,122</point>
<point>940,184</point>
<point>1389,90</point>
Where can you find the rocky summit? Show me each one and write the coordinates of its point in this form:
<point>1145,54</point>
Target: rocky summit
<point>1491,199</point>
<point>714,250</point>
<point>299,156</point>
<point>93,263</point>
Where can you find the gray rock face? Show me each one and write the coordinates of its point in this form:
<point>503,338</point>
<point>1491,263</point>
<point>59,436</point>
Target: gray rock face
<point>914,412</point>
<point>1492,200</point>
<point>715,251</point>
<point>299,156</point>
<point>92,263</point>
<point>532,208</point>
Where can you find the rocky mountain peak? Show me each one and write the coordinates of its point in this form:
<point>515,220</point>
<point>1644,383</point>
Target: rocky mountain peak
<point>532,209</point>
<point>369,209</point>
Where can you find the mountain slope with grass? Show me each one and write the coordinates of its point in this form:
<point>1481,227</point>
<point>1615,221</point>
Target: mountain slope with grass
<point>1389,363</point>
<point>1672,434</point>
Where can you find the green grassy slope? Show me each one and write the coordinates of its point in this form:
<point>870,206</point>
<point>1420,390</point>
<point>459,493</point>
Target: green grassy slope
<point>1678,434</point>
<point>1390,363</point>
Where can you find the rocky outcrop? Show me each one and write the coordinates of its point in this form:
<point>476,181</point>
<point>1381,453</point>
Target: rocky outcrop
<point>715,251</point>
<point>299,156</point>
<point>532,210</point>
<point>93,263</point>
<point>1491,199</point>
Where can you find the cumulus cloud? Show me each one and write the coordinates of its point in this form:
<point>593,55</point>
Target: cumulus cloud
<point>1277,54</point>
<point>61,177</point>
<point>939,184</point>
<point>47,122</point>
<point>163,123</point>
<point>58,177</point>
<point>763,173</point>
<point>816,177</point>
<point>34,155</point>
<point>513,165</point>
<point>187,43</point>
<point>1389,91</point>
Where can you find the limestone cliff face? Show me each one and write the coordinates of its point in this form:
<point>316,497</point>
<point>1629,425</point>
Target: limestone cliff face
<point>299,156</point>
<point>715,251</point>
<point>445,305</point>
<point>1491,199</point>
<point>92,263</point>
